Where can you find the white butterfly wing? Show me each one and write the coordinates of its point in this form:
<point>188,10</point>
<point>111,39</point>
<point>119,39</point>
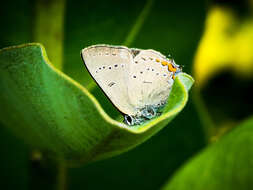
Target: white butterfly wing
<point>149,82</point>
<point>109,66</point>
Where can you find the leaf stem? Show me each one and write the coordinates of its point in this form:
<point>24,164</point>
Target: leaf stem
<point>46,173</point>
<point>207,123</point>
<point>48,28</point>
<point>138,24</point>
<point>62,175</point>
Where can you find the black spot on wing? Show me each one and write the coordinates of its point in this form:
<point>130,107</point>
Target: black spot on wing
<point>135,52</point>
<point>111,84</point>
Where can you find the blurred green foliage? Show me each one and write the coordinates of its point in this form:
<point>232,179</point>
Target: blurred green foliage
<point>223,64</point>
<point>226,164</point>
<point>172,27</point>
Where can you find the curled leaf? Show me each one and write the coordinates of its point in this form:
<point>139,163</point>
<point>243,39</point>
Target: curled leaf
<point>54,113</point>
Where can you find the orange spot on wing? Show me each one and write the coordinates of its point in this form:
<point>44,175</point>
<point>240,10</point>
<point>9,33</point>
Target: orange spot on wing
<point>171,68</point>
<point>164,63</point>
<point>157,60</point>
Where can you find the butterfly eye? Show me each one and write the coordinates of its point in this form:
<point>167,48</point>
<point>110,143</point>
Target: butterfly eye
<point>180,68</point>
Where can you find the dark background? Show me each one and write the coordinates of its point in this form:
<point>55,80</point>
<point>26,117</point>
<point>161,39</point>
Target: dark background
<point>172,27</point>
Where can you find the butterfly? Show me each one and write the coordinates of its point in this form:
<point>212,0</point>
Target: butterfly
<point>137,82</point>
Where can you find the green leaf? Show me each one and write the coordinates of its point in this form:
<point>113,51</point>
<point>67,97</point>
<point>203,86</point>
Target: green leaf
<point>225,165</point>
<point>54,113</point>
